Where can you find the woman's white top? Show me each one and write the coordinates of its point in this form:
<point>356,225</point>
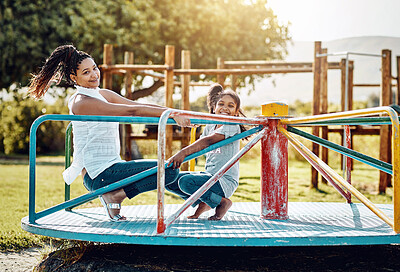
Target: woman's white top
<point>96,144</point>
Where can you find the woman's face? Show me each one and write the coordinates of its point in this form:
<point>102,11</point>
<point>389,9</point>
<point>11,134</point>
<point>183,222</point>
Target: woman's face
<point>226,105</point>
<point>87,74</point>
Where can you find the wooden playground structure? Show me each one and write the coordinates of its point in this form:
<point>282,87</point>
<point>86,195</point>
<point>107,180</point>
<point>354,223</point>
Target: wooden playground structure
<point>319,68</point>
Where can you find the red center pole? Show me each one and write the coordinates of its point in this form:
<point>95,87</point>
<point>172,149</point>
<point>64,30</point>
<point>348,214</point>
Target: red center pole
<point>274,173</point>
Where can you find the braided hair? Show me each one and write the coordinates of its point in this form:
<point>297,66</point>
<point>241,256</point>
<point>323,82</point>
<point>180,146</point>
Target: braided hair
<point>62,62</point>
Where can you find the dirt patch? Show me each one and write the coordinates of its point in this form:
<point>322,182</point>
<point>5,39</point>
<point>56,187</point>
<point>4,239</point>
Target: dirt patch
<point>123,258</point>
<point>22,261</point>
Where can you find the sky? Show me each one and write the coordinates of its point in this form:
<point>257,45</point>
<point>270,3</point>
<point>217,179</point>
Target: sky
<point>325,20</point>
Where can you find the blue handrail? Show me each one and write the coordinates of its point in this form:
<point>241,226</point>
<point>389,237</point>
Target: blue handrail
<point>68,204</point>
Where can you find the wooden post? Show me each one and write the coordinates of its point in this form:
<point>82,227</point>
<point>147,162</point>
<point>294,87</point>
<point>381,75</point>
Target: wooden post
<point>127,129</point>
<point>385,100</point>
<point>233,84</point>
<point>350,85</point>
<point>342,99</point>
<point>185,80</point>
<point>169,91</point>
<point>324,105</point>
<point>342,84</point>
<point>349,106</point>
<point>220,78</point>
<point>107,60</point>
<point>350,73</point>
<point>316,106</point>
<point>398,81</point>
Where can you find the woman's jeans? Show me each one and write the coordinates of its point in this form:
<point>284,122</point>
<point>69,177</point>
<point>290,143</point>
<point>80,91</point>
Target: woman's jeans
<point>122,170</point>
<point>188,183</point>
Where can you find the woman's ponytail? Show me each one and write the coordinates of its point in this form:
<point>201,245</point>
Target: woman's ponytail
<point>62,62</point>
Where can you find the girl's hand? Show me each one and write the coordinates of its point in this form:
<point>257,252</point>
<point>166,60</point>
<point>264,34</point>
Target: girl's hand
<point>182,121</point>
<point>176,160</point>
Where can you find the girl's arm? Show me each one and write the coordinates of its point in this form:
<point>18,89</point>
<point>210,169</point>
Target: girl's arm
<point>198,145</point>
<point>84,105</point>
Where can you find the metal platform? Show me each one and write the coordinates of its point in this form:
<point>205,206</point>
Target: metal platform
<point>309,223</point>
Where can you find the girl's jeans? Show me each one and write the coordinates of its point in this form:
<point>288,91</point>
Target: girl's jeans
<point>188,183</point>
<point>123,170</point>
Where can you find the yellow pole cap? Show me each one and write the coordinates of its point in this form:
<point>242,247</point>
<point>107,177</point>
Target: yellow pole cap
<point>275,109</point>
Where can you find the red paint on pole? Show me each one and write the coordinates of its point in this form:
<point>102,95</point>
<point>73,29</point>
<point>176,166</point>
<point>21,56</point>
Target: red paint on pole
<point>348,159</point>
<point>274,173</point>
<point>160,226</point>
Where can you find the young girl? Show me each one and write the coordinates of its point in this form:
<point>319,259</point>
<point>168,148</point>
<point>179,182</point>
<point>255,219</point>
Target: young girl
<point>96,144</point>
<point>224,103</point>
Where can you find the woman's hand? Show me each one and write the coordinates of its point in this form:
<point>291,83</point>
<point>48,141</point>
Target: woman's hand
<point>182,121</point>
<point>176,160</point>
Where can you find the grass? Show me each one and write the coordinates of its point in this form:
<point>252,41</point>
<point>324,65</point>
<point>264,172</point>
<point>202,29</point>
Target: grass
<point>50,191</point>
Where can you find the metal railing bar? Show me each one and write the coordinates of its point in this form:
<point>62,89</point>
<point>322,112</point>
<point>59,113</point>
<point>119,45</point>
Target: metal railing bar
<point>383,166</point>
<point>161,151</point>
<point>339,179</point>
<point>69,204</point>
<point>349,121</point>
<point>320,170</point>
<point>194,197</point>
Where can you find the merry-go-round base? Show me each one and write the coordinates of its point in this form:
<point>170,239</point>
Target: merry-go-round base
<point>309,224</point>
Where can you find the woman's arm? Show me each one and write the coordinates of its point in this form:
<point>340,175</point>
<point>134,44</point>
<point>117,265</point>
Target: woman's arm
<point>84,105</point>
<point>113,97</point>
<point>200,144</point>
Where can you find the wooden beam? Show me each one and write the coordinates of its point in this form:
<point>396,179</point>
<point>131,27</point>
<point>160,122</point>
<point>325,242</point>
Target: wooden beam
<point>273,64</point>
<point>126,129</point>
<point>220,76</point>
<point>107,60</point>
<point>316,107</point>
<point>385,100</point>
<point>185,105</point>
<point>169,91</point>
<point>241,71</point>
<point>342,84</point>
<point>324,105</point>
<point>133,67</point>
<point>350,85</point>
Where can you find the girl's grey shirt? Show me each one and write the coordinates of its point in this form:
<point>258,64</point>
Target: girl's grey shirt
<point>217,158</point>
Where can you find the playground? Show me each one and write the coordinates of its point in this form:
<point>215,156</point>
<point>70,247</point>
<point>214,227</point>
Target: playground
<point>274,129</point>
<point>272,220</point>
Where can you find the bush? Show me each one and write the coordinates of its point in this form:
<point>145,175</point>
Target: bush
<point>17,117</point>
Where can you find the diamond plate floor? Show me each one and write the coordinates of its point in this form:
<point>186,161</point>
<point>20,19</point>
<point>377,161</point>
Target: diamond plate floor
<point>309,223</point>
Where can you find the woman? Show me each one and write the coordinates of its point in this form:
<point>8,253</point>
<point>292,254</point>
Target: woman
<point>96,144</point>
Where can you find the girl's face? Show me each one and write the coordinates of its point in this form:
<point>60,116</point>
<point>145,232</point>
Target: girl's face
<point>226,105</point>
<point>87,74</point>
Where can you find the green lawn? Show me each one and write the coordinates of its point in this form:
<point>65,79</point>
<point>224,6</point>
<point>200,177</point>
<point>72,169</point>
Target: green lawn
<point>50,191</point>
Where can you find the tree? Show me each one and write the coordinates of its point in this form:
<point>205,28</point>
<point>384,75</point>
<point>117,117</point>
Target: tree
<point>29,31</point>
<point>32,29</point>
<point>235,29</point>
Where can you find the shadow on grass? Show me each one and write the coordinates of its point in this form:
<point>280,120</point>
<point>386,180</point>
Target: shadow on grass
<point>56,160</point>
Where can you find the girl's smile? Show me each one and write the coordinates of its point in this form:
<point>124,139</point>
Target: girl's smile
<point>226,106</point>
